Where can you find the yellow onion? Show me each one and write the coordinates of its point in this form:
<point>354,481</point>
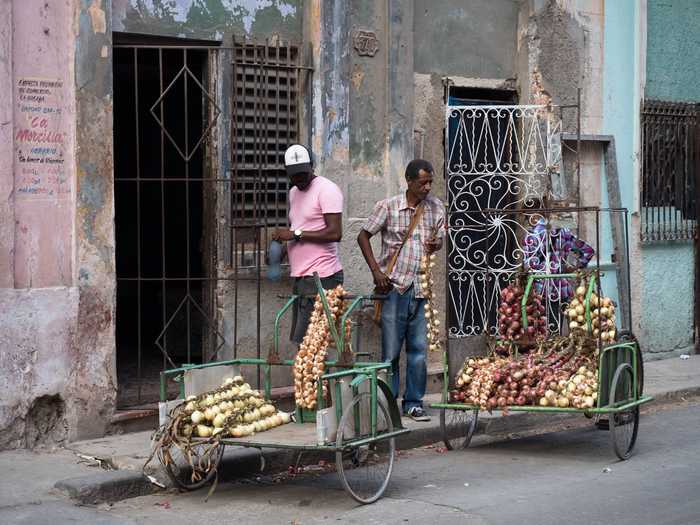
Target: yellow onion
<point>204,431</point>
<point>197,417</point>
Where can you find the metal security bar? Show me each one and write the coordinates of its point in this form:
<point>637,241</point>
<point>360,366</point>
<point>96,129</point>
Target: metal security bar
<point>164,112</point>
<point>269,80</point>
<point>195,195</point>
<point>265,118</point>
<point>669,170</point>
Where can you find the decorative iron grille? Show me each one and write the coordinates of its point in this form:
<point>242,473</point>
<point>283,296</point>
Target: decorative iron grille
<point>498,161</point>
<point>669,170</point>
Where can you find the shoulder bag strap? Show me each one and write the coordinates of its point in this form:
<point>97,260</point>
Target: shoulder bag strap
<point>412,226</point>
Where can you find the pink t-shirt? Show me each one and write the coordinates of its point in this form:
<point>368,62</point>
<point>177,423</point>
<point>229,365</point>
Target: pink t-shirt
<point>306,209</point>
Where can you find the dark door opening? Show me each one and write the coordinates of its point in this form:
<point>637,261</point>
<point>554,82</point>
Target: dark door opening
<point>162,118</point>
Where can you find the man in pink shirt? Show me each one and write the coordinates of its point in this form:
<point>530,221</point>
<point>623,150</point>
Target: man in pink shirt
<point>316,227</point>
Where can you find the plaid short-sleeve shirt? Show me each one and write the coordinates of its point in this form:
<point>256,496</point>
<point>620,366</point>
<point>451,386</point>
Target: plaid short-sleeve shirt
<point>392,217</point>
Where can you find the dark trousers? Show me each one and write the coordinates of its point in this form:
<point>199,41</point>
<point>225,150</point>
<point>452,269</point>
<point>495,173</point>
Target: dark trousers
<point>304,306</point>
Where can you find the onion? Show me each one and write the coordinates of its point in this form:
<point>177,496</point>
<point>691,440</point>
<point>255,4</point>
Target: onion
<point>204,431</point>
<point>197,417</point>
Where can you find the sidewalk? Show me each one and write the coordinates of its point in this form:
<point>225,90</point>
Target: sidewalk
<point>110,469</point>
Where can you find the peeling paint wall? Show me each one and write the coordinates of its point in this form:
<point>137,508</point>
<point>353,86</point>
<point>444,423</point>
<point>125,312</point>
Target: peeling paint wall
<point>208,19</point>
<point>58,345</point>
<point>560,49</point>
<point>95,370</point>
<point>37,358</point>
<point>7,204</point>
<point>38,300</point>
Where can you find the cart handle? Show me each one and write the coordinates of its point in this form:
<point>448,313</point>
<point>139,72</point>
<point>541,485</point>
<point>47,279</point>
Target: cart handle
<point>354,371</point>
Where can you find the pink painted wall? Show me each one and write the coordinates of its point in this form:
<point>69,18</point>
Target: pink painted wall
<point>7,207</point>
<point>44,142</point>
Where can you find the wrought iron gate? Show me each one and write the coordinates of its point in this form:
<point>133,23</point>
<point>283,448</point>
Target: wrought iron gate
<point>192,208</point>
<point>497,158</point>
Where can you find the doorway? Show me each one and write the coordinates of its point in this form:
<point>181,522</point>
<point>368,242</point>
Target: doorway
<point>163,116</point>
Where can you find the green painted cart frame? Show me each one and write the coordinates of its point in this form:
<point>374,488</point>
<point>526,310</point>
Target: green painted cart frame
<point>367,422</point>
<point>620,390</point>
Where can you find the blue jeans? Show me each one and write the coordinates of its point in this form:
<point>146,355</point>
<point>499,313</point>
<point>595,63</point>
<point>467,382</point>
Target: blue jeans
<point>403,319</point>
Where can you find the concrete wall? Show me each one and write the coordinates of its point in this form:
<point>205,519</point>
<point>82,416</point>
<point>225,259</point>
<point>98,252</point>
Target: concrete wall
<point>472,39</point>
<point>673,43</point>
<point>208,19</point>
<point>662,274</point>
<point>57,295</point>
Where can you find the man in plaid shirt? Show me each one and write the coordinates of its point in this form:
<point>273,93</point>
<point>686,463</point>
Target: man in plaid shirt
<point>403,313</point>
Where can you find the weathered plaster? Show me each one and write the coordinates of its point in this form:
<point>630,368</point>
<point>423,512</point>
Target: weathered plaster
<point>42,209</point>
<point>368,97</point>
<point>7,207</point>
<point>475,38</point>
<point>37,342</point>
<point>93,385</point>
<point>58,342</point>
<point>667,293</point>
<point>560,49</point>
<point>208,19</point>
<point>673,43</point>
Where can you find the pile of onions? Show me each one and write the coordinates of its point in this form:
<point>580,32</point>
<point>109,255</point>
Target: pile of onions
<point>603,318</point>
<point>431,312</point>
<point>579,391</point>
<point>602,315</point>
<point>310,361</point>
<point>497,382</point>
<point>510,322</point>
<point>233,410</point>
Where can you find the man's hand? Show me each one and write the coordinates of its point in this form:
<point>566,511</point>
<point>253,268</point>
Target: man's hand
<point>433,245</point>
<point>381,281</point>
<point>282,234</point>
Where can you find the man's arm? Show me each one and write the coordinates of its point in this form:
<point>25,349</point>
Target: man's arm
<point>333,232</point>
<point>434,244</point>
<point>381,280</point>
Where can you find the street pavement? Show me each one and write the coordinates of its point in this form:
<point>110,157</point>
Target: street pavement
<point>567,477</point>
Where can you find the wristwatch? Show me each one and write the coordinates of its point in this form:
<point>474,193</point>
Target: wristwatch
<point>297,234</point>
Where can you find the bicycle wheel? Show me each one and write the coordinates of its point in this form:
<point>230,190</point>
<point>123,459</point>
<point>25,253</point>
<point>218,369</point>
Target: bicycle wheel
<point>457,427</point>
<point>364,470</point>
<point>623,424</point>
<point>193,465</point>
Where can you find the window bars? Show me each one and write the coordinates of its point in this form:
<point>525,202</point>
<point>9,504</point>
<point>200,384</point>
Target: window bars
<point>669,170</point>
<point>265,120</point>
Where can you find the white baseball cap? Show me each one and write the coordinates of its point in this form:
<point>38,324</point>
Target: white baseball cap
<point>297,159</point>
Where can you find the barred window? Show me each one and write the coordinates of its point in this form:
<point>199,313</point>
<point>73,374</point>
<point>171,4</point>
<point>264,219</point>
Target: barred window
<point>669,170</point>
<point>266,96</point>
